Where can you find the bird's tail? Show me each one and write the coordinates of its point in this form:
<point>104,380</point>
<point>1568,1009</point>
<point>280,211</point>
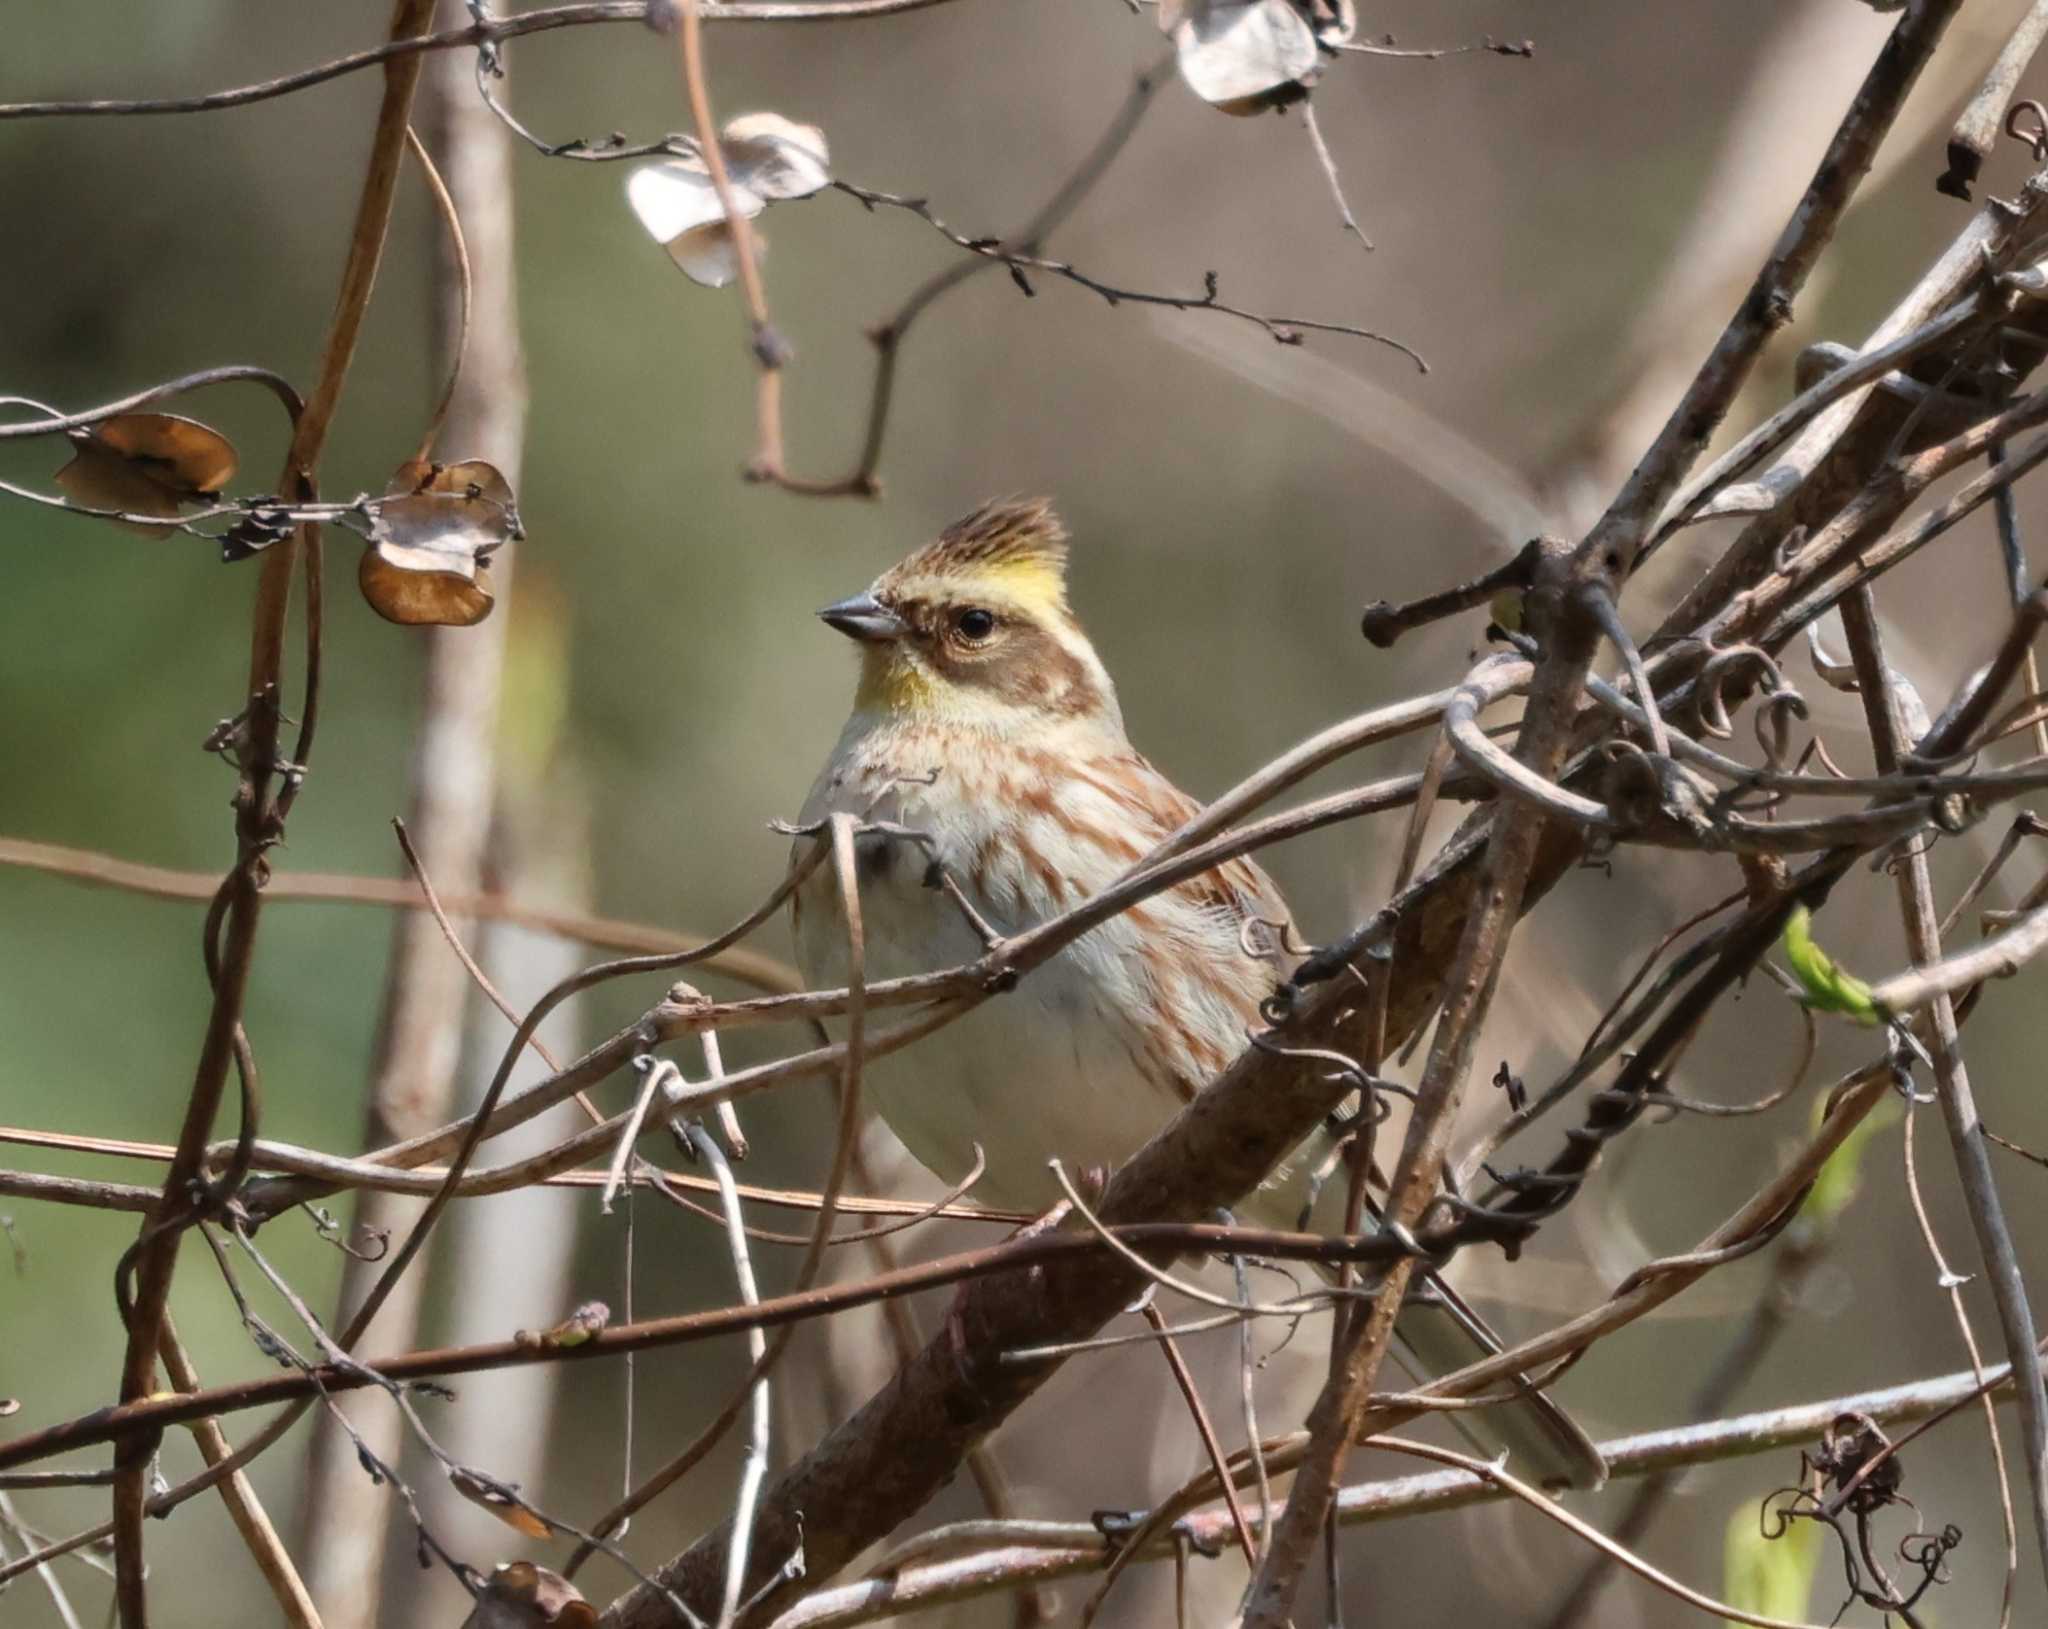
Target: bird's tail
<point>1437,1332</point>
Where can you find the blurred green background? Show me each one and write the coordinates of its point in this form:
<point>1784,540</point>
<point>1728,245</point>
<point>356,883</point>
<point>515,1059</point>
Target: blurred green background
<point>1529,217</point>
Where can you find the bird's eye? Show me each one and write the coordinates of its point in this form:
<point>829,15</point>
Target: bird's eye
<point>975,623</point>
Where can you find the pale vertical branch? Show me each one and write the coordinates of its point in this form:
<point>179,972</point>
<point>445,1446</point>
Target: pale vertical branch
<point>506,1265</point>
<point>344,1520</point>
<point>1952,1077</point>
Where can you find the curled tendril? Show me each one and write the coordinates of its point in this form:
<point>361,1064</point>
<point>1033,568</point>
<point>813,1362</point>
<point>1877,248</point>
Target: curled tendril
<point>1278,934</point>
<point>2033,131</point>
<point>1929,1552</point>
<point>1781,1508</point>
<point>1723,665</point>
<point>1774,724</point>
<point>376,1241</point>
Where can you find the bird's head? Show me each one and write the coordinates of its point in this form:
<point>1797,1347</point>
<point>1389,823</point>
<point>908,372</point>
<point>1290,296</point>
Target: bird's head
<point>973,629</point>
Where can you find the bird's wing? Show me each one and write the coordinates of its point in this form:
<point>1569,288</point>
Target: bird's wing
<point>1237,893</point>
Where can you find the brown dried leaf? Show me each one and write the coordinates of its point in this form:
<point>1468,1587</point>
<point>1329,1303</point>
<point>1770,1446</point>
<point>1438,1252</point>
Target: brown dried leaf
<point>431,541</point>
<point>147,464</point>
<point>520,1595</point>
<point>509,1511</point>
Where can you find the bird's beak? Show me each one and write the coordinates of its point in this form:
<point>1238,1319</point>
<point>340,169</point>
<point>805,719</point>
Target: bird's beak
<point>865,618</point>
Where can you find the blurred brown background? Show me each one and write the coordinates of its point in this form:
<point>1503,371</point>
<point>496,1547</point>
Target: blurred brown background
<point>1552,234</point>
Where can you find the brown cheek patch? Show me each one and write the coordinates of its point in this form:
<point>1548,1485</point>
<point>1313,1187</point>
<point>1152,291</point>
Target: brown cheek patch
<point>1024,666</point>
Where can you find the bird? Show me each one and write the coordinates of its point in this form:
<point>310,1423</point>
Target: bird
<point>985,723</point>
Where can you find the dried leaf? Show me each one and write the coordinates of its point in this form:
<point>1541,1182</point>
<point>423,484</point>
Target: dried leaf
<point>431,541</point>
<point>680,209</point>
<point>520,1595</point>
<point>99,478</point>
<point>188,457</point>
<point>776,158</point>
<point>147,464</point>
<point>767,158</point>
<point>508,1510</point>
<point>1243,56</point>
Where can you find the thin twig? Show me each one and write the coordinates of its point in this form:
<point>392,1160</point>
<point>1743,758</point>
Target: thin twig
<point>258,812</point>
<point>1486,47</point>
<point>1976,129</point>
<point>1952,1081</point>
<point>1281,330</point>
<point>1951,1285</point>
<point>1535,1499</point>
<point>334,888</point>
<point>60,1601</point>
<point>238,1493</point>
<point>485,31</point>
<point>458,249</point>
<point>1328,163</point>
<point>1203,1428</point>
<point>1037,1551</point>
<point>756,1466</point>
<point>1510,862</point>
<point>888,335</point>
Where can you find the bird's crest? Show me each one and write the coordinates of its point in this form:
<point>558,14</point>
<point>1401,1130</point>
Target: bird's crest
<point>1017,543</point>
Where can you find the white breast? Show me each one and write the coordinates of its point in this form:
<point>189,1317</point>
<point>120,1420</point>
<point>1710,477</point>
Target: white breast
<point>1072,1062</point>
<point>1042,1070</point>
